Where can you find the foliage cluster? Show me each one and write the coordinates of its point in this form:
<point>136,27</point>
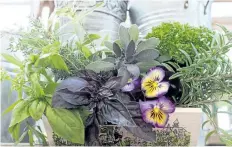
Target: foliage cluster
<point>77,87</point>
<point>175,36</point>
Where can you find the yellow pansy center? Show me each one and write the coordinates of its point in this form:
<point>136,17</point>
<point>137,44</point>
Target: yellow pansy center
<point>151,85</point>
<point>156,109</point>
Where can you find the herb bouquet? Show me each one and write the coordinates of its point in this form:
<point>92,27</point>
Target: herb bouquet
<point>124,94</point>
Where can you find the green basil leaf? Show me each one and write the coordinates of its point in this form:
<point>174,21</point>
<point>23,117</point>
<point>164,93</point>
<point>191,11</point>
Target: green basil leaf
<point>14,131</point>
<point>58,62</point>
<point>36,109</point>
<point>83,111</point>
<point>98,66</point>
<point>19,113</point>
<point>66,124</point>
<point>36,85</point>
<point>12,59</point>
<point>11,107</point>
<point>86,51</point>
<point>50,88</point>
<point>90,38</point>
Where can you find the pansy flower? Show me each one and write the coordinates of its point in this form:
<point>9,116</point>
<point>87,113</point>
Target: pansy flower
<point>153,83</point>
<point>156,112</point>
<point>132,84</point>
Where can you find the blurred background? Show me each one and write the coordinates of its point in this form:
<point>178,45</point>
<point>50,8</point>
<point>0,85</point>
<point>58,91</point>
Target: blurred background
<point>15,14</point>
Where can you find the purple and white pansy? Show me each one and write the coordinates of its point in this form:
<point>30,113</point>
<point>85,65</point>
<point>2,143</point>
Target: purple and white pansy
<point>156,112</point>
<point>153,83</point>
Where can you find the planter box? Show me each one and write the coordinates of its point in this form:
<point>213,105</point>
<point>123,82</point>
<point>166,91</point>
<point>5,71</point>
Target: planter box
<point>183,129</point>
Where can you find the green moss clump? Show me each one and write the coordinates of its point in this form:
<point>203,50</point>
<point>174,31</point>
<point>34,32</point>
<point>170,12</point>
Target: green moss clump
<point>175,36</point>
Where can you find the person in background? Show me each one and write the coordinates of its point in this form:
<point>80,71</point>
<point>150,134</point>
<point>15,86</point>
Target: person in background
<point>45,3</point>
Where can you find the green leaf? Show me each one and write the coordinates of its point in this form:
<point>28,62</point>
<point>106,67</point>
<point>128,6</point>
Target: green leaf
<point>43,59</point>
<point>30,135</point>
<point>124,73</point>
<point>19,113</point>
<point>109,59</point>
<point>204,123</point>
<point>37,134</point>
<point>147,55</point>
<point>66,124</point>
<point>176,75</point>
<point>187,56</point>
<point>228,142</point>
<point>58,62</point>
<point>130,51</point>
<point>133,69</point>
<point>109,45</point>
<point>168,67</point>
<point>163,58</point>
<point>86,51</point>
<point>227,101</point>
<point>36,85</point>
<point>124,36</point>
<point>36,109</point>
<point>98,66</point>
<point>14,131</point>
<point>11,107</point>
<point>90,38</point>
<point>206,109</point>
<point>117,50</point>
<point>134,32</point>
<point>50,88</point>
<point>150,43</point>
<point>52,59</point>
<point>209,134</point>
<point>145,66</point>
<point>52,48</point>
<point>84,113</point>
<point>12,59</point>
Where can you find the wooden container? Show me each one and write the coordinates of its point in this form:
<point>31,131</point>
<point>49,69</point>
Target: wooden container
<point>182,129</point>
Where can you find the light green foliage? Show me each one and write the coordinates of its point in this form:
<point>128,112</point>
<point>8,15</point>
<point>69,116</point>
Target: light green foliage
<point>36,109</point>
<point>175,36</point>
<point>47,60</point>
<point>208,77</point>
<point>67,124</point>
<point>207,80</point>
